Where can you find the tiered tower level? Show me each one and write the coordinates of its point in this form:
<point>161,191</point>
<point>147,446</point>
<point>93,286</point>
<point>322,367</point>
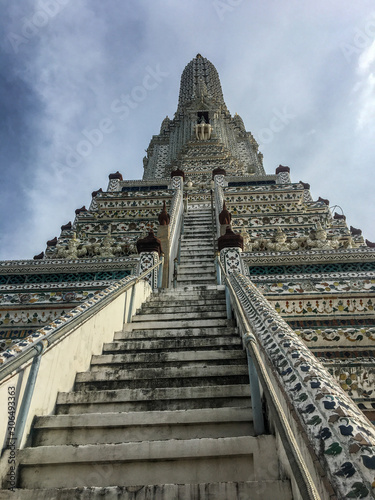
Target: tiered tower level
<point>318,273</point>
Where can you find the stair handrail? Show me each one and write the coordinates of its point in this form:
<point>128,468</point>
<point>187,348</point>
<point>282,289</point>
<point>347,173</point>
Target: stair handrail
<point>213,223</point>
<point>301,473</point>
<point>337,431</point>
<point>36,343</point>
<point>219,200</point>
<point>176,224</point>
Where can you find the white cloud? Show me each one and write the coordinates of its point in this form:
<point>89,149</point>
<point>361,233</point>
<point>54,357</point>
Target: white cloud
<point>365,88</point>
<point>269,56</point>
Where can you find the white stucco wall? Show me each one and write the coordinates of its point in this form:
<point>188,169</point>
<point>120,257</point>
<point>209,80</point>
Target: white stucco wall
<point>62,360</point>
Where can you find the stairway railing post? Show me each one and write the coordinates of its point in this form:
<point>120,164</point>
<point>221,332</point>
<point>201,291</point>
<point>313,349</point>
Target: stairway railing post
<point>227,303</point>
<point>160,271</point>
<point>131,305</point>
<point>28,393</point>
<point>256,399</point>
<point>218,269</point>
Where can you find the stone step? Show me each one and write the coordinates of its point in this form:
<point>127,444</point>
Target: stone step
<point>196,272</point>
<point>96,428</point>
<point>177,335</point>
<point>191,279</point>
<point>188,254</point>
<point>161,308</point>
<point>183,323</point>
<point>204,228</point>
<point>181,358</point>
<point>198,226</point>
<point>142,317</point>
<point>196,278</point>
<point>199,288</point>
<point>193,222</point>
<point>180,304</point>
<point>149,377</point>
<point>201,258</point>
<point>256,490</point>
<point>153,399</point>
<point>191,295</point>
<point>193,243</point>
<point>176,376</point>
<point>204,236</point>
<point>196,286</point>
<point>243,458</point>
<point>207,275</point>
<point>188,268</point>
<point>187,250</point>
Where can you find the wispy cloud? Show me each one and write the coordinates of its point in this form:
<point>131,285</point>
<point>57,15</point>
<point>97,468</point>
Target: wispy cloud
<point>60,86</point>
<point>365,88</point>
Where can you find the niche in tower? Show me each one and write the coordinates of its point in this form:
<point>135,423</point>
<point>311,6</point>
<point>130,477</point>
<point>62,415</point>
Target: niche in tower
<point>202,117</point>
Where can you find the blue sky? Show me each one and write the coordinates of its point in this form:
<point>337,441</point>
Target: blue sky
<point>65,63</point>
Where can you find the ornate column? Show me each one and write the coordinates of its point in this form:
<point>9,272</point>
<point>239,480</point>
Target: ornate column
<point>114,182</point>
<point>283,175</point>
<point>230,246</point>
<point>225,218</point>
<point>163,234</point>
<point>149,249</point>
<point>218,177</point>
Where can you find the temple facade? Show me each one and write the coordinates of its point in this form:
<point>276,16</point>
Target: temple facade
<point>229,250</point>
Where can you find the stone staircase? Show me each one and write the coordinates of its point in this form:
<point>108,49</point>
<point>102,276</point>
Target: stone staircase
<point>197,249</point>
<point>164,412</point>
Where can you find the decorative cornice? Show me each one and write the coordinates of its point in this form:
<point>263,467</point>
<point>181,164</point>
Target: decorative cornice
<point>153,182</point>
<point>337,430</point>
<point>309,256</point>
<point>250,178</point>
<point>60,265</point>
<point>91,305</point>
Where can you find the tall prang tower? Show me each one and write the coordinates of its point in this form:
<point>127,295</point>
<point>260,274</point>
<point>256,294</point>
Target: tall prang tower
<point>205,332</point>
<point>203,135</point>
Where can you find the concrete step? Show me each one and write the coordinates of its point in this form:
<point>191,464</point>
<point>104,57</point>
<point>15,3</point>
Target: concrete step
<point>196,272</point>
<point>164,316</point>
<point>183,323</point>
<point>180,358</point>
<point>153,399</point>
<point>196,286</point>
<point>96,428</point>
<point>193,243</point>
<point>213,376</point>
<point>181,305</point>
<point>187,254</point>
<point>193,279</point>
<point>162,308</point>
<point>177,373</point>
<point>204,236</point>
<point>243,458</point>
<point>196,269</point>
<point>256,490</point>
<point>190,294</point>
<point>201,258</point>
<point>175,335</point>
<point>201,278</point>
<point>193,222</point>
